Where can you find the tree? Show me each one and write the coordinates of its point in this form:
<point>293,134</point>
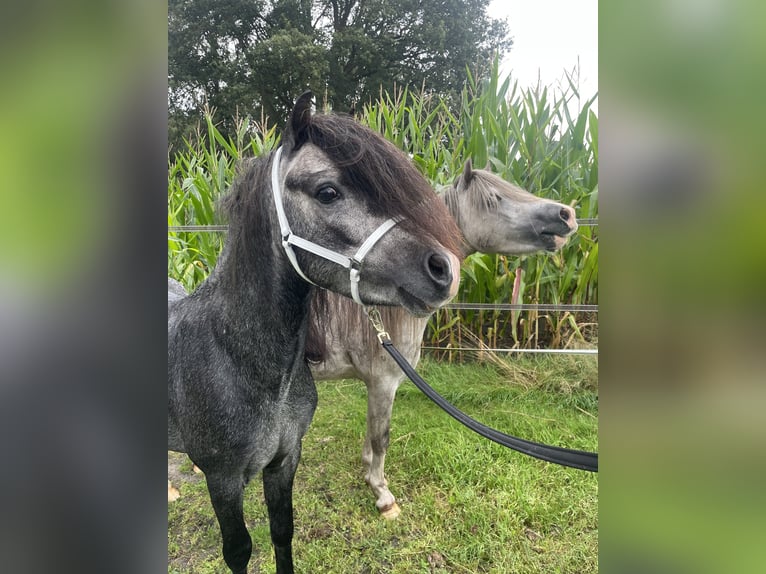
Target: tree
<point>255,56</point>
<point>207,43</point>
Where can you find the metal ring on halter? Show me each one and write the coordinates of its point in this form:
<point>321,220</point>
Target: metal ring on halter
<point>353,264</point>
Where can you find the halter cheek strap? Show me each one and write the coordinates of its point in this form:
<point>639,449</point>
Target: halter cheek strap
<point>289,239</point>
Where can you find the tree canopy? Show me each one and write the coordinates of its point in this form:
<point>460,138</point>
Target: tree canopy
<point>253,57</point>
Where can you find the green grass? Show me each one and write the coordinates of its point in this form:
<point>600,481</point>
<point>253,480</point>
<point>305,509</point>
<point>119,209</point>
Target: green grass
<point>468,505</point>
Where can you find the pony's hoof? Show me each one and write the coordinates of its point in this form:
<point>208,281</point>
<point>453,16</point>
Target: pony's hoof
<point>391,511</point>
<point>173,493</point>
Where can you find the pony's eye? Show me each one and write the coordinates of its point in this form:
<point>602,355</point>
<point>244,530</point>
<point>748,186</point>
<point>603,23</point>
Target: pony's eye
<point>327,194</point>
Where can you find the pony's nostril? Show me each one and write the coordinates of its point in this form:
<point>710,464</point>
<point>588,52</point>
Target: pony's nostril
<point>439,269</point>
<point>565,214</point>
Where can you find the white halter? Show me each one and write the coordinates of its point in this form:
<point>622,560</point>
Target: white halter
<point>353,264</point>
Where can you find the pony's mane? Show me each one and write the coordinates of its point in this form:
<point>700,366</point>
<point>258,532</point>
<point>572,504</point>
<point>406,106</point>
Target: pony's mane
<point>483,191</point>
<point>377,167</point>
<point>239,207</point>
<point>234,204</point>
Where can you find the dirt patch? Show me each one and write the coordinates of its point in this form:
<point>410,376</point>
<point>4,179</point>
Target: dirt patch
<point>180,470</point>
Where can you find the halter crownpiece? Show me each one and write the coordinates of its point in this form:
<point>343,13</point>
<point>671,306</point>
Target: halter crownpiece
<point>289,239</point>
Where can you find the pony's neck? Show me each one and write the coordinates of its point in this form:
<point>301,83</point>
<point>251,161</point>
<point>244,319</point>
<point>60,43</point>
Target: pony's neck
<point>265,303</point>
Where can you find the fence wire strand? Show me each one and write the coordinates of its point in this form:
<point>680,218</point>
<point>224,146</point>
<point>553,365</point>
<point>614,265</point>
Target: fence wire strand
<point>521,307</point>
<point>490,350</point>
<point>587,222</point>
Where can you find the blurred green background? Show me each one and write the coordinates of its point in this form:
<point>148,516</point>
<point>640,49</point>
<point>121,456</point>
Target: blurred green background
<point>681,363</point>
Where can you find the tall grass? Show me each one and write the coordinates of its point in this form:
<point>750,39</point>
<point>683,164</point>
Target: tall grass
<point>197,177</point>
<point>527,136</point>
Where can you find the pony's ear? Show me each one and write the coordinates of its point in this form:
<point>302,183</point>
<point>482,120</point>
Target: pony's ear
<point>467,176</point>
<point>295,132</point>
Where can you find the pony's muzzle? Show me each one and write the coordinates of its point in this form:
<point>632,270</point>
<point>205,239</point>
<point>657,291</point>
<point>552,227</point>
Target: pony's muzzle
<point>556,219</point>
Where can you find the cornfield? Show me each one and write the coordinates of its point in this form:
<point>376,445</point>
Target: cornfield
<point>527,136</point>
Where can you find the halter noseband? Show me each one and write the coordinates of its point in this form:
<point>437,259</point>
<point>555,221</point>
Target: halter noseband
<point>353,264</point>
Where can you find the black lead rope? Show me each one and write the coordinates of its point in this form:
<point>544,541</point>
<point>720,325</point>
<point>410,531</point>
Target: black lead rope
<point>579,459</point>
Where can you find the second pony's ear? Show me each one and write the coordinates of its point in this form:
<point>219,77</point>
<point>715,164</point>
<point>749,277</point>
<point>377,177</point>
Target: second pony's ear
<point>295,132</point>
<point>467,176</point>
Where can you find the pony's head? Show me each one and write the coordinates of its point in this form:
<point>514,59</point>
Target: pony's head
<point>498,217</point>
<point>344,190</point>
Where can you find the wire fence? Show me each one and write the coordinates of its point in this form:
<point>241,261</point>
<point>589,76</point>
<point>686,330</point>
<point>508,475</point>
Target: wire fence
<point>510,351</point>
<point>521,307</point>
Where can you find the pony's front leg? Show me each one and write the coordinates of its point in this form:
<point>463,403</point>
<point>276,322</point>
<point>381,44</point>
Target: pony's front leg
<point>278,490</point>
<point>380,402</point>
<point>226,494</point>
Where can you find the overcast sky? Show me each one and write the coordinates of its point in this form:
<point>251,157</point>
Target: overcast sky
<point>548,36</point>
